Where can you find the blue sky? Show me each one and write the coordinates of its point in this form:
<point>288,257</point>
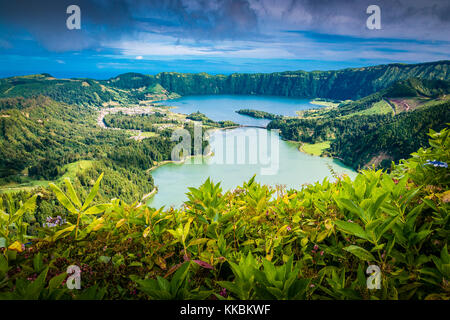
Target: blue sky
<point>216,36</point>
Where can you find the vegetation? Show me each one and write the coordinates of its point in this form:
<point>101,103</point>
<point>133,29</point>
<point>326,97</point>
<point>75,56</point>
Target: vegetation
<point>254,242</point>
<point>336,85</point>
<point>315,149</point>
<point>325,102</point>
<point>39,145</point>
<point>77,193</point>
<point>372,130</point>
<point>259,114</point>
<point>146,123</point>
<point>198,116</point>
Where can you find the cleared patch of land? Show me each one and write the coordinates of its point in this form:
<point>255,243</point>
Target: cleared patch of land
<point>71,170</point>
<point>315,149</point>
<point>324,102</point>
<point>380,107</point>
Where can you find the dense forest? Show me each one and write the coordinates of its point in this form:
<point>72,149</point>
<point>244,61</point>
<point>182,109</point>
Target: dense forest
<point>338,84</point>
<point>362,132</point>
<point>134,87</point>
<point>146,123</point>
<point>38,114</point>
<point>258,114</point>
<point>44,138</point>
<point>198,116</point>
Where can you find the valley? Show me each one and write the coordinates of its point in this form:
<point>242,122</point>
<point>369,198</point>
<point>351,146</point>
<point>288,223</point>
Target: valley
<point>341,166</point>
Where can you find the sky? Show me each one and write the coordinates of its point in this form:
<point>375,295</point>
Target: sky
<point>217,36</point>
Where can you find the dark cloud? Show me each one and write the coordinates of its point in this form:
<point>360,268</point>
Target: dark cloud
<point>46,20</point>
<point>106,20</point>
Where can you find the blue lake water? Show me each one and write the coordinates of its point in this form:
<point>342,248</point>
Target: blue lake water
<point>224,107</point>
<point>292,168</point>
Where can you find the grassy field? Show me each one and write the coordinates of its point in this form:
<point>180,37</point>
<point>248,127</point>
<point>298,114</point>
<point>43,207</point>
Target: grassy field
<point>315,149</point>
<point>324,103</point>
<point>380,107</point>
<point>29,184</point>
<point>73,168</point>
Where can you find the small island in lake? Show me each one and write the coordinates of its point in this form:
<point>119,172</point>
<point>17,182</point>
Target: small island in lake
<point>259,114</point>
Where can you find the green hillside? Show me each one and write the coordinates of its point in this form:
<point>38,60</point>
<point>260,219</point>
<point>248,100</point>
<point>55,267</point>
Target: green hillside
<point>338,84</point>
<point>252,243</point>
<point>382,127</point>
<point>41,140</point>
<point>132,87</point>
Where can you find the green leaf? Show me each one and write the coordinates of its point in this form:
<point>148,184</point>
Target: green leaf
<point>104,259</point>
<point>163,284</point>
<point>408,197</point>
<point>62,198</point>
<point>57,281</point>
<point>38,263</point>
<point>445,257</point>
<point>29,206</point>
<point>431,204</point>
<point>386,226</point>
<point>352,207</point>
<point>352,228</point>
<point>3,264</point>
<point>231,287</point>
<point>34,290</point>
<point>2,242</point>
<point>198,241</point>
<point>97,209</point>
<point>179,277</point>
<point>377,204</point>
<point>93,193</point>
<point>58,234</point>
<point>71,193</point>
<point>361,253</point>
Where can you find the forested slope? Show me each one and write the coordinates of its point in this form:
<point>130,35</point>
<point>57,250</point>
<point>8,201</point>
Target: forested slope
<point>352,83</point>
<point>341,84</point>
<point>43,137</point>
<point>360,138</point>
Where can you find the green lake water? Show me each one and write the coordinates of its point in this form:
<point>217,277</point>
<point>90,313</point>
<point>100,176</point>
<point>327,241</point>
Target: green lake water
<point>236,162</point>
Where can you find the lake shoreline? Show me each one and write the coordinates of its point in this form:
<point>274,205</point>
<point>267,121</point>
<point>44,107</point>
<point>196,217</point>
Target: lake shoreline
<point>299,144</point>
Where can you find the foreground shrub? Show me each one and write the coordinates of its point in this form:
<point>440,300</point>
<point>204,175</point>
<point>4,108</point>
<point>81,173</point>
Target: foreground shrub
<point>339,239</point>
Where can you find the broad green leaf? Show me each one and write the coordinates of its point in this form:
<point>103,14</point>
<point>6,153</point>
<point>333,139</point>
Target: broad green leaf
<point>97,209</point>
<point>60,232</point>
<point>57,281</point>
<point>179,277</point>
<point>445,257</point>
<point>29,206</point>
<point>104,259</point>
<point>376,205</point>
<point>361,253</point>
<point>386,226</point>
<point>120,223</point>
<point>352,207</point>
<point>352,228</point>
<point>62,198</point>
<point>2,242</point>
<point>72,194</point>
<point>36,287</point>
<point>38,263</point>
<point>93,193</point>
<point>198,241</point>
<point>3,264</point>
